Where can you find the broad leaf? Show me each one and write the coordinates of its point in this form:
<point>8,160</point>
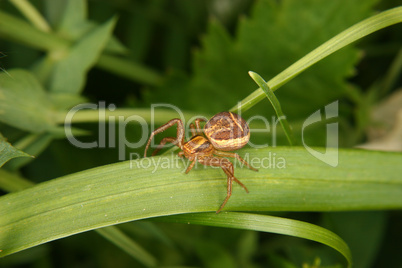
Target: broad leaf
<point>7,151</point>
<point>69,73</point>
<point>74,20</point>
<point>33,144</point>
<point>275,35</point>
<point>158,186</point>
<point>74,24</point>
<point>24,103</point>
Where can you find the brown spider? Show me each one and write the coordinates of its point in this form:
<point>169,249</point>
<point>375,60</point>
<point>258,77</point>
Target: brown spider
<point>224,132</point>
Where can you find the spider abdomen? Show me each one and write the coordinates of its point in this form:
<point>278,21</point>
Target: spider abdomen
<point>227,131</point>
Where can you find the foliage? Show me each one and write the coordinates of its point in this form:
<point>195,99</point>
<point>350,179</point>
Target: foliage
<point>7,151</point>
<point>130,55</point>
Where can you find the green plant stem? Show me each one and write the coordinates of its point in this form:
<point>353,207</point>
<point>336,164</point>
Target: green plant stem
<point>392,75</point>
<point>276,105</point>
<point>128,69</point>
<point>134,71</point>
<point>11,182</point>
<point>156,116</point>
<point>117,237</point>
<point>32,14</point>
<point>350,35</point>
<point>20,31</point>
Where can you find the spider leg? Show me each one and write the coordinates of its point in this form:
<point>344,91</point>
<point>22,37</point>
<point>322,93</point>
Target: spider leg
<point>234,155</point>
<point>162,143</point>
<point>193,130</point>
<point>179,141</point>
<point>191,165</point>
<point>197,130</point>
<point>227,167</point>
<point>197,124</point>
<point>228,195</point>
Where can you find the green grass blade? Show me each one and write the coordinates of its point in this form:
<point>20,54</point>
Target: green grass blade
<point>158,186</point>
<point>276,105</point>
<point>11,182</point>
<point>156,116</point>
<point>32,14</point>
<point>265,223</point>
<point>392,74</point>
<point>120,239</point>
<point>129,69</point>
<point>16,29</point>
<point>350,35</point>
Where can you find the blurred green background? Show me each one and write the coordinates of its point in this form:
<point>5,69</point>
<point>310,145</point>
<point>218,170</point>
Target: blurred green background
<point>196,55</point>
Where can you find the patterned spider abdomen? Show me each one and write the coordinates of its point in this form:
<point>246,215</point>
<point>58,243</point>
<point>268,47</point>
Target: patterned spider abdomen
<point>227,131</point>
